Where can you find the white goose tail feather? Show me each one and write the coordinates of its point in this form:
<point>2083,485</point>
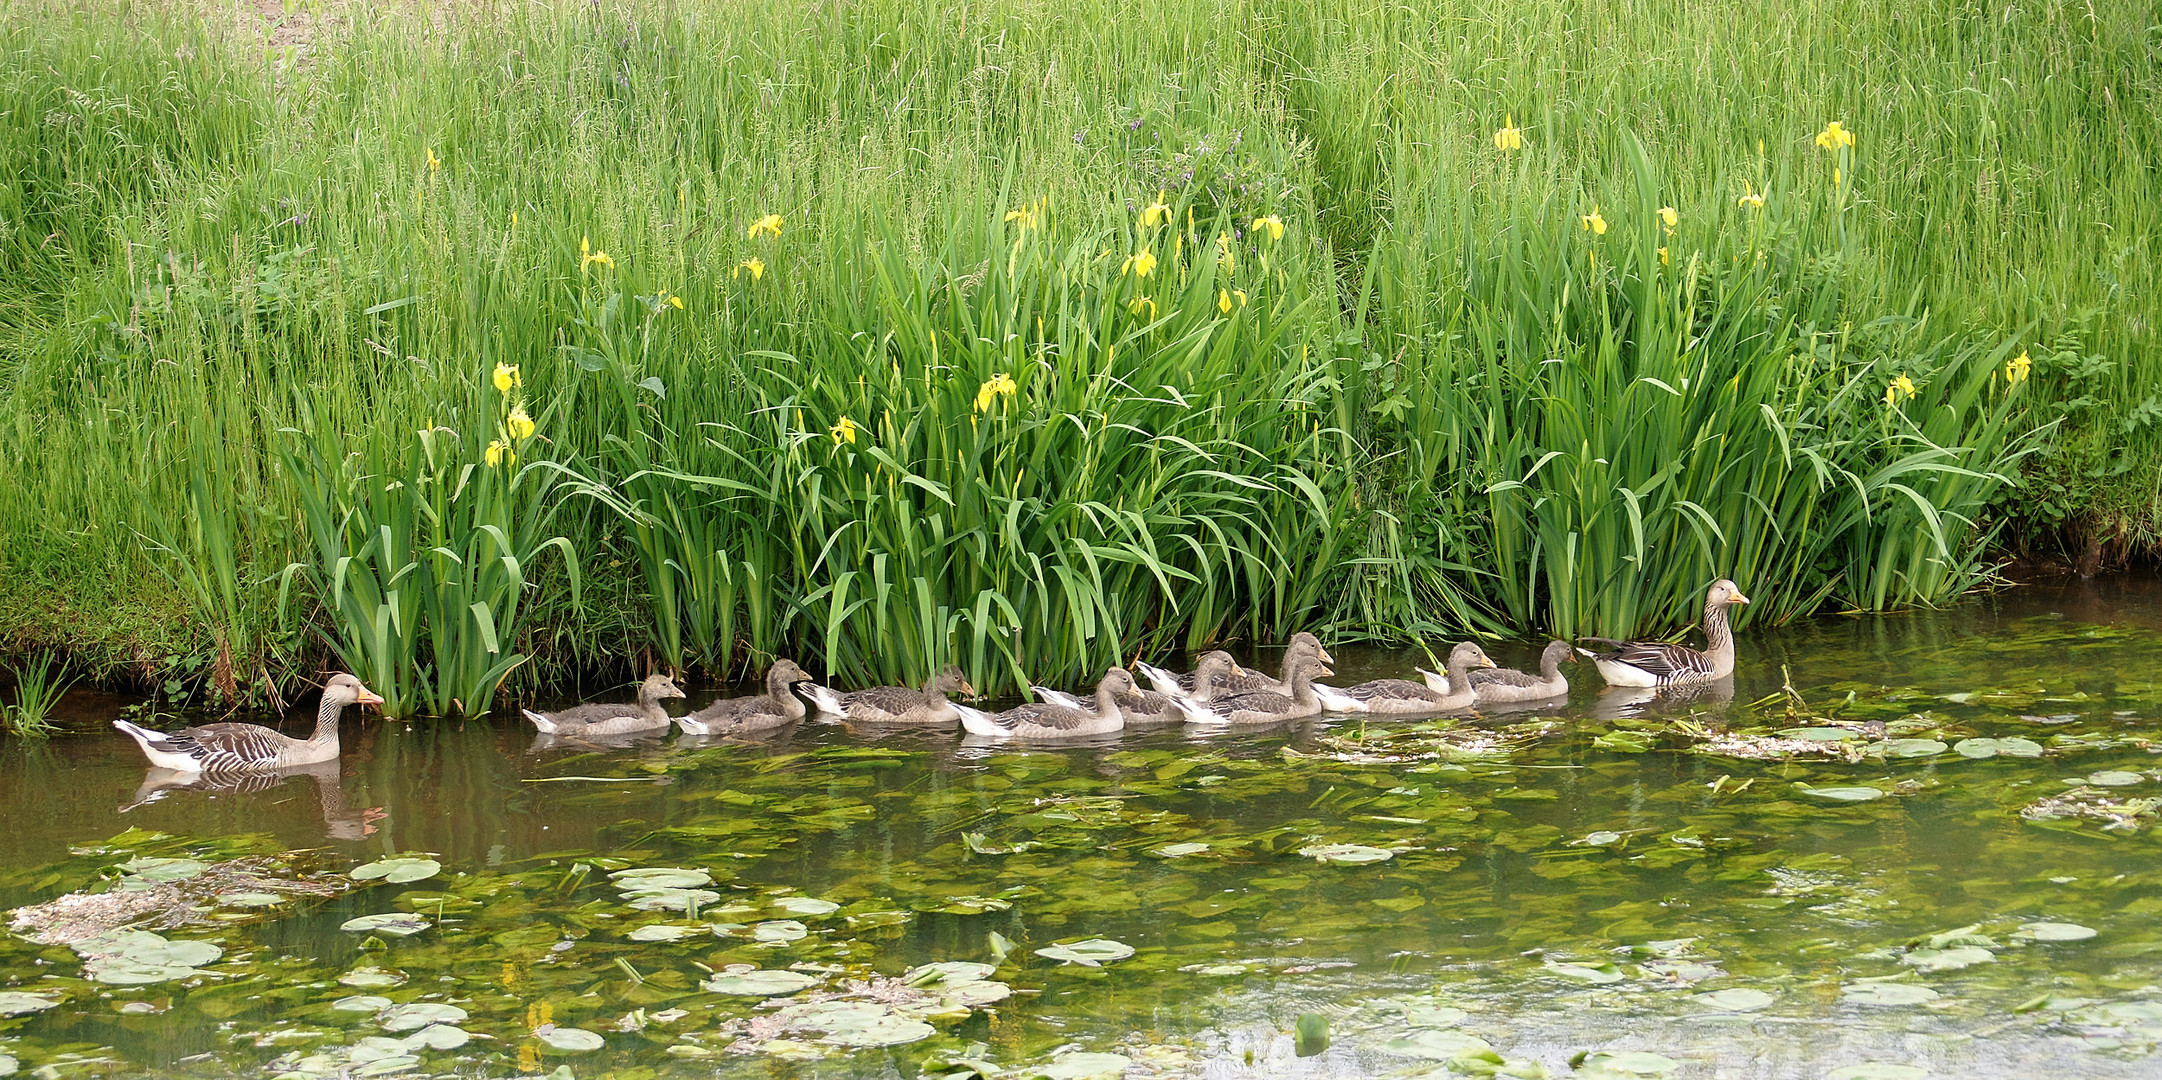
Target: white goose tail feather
<point>825,698</point>
<point>1435,681</point>
<point>1060,697</point>
<point>1197,713</point>
<point>979,722</point>
<point>1336,700</point>
<point>1620,674</point>
<point>1161,681</point>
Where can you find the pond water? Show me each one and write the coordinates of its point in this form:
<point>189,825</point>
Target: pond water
<point>1944,867</point>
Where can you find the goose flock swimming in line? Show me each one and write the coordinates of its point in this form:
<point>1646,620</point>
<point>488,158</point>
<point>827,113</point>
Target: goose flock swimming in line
<point>1217,692</point>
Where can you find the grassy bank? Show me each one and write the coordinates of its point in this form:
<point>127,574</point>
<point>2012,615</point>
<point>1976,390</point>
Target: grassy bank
<point>1039,336</point>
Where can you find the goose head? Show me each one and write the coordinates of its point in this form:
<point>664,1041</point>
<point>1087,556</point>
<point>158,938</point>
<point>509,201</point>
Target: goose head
<point>1468,654</point>
<point>1556,652</point>
<point>343,690</point>
<point>950,681</point>
<point>1724,592</point>
<point>1116,681</point>
<point>1303,642</point>
<point>656,687</point>
<point>782,675</point>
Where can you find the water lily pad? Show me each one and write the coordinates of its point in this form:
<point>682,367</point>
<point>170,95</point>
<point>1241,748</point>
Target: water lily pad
<point>667,932</point>
<point>947,973</point>
<point>366,1003</point>
<point>394,923</point>
<point>2115,778</point>
<point>1601,838</point>
<point>1346,853</point>
<point>891,1029</point>
<point>1600,975</point>
<point>1984,748</point>
<point>1908,748</point>
<point>1877,1070</point>
<point>1082,1066</point>
<point>369,978</point>
<point>1737,999</point>
<point>1886,993</point>
<point>419,1014</point>
<point>250,899</point>
<point>1094,952</point>
<point>759,983</point>
<point>809,907</point>
<point>397,871</point>
<point>18,1004</point>
<point>1842,794</point>
<point>1631,1062</point>
<point>661,877</point>
<point>671,899</point>
<point>780,931</point>
<point>162,870</point>
<point>2057,931</point>
<point>138,957</point>
<point>1948,959</point>
<point>440,1037</point>
<point>570,1040</point>
<point>1436,1045</point>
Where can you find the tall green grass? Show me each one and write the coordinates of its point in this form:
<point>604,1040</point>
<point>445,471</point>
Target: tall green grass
<point>239,286</point>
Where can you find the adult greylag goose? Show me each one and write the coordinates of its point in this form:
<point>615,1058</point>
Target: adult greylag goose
<point>613,718</point>
<point>1498,685</point>
<point>895,704</point>
<point>1297,701</point>
<point>1044,720</point>
<point>1405,696</point>
<point>1138,706</point>
<point>234,747</point>
<point>1662,663</point>
<point>777,707</point>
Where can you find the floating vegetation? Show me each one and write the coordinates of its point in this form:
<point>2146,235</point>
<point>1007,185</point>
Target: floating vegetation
<point>169,893</point>
<point>2113,810</point>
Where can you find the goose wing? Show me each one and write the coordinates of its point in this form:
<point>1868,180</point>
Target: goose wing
<point>594,714</point>
<point>1503,677</point>
<point>1042,714</point>
<point>227,746</point>
<point>1664,660</point>
<point>891,700</point>
<point>1253,701</point>
<point>1391,689</point>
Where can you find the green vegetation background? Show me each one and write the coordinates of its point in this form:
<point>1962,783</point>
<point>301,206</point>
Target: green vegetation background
<point>258,272</point>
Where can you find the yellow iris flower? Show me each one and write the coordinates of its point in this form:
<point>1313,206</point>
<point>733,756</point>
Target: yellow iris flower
<point>1271,224</point>
<point>500,453</point>
<point>1140,302</point>
<point>843,430</point>
<point>2018,368</point>
<point>1750,199</point>
<point>989,393</point>
<point>1834,136</point>
<point>506,376</point>
<point>755,266</point>
<point>1156,213</point>
<point>1594,222</point>
<point>434,162</point>
<point>1141,264</point>
<point>1669,218</point>
<point>1509,136</point>
<point>770,225</point>
<point>518,423</point>
<point>1026,217</point>
<point>1900,389</point>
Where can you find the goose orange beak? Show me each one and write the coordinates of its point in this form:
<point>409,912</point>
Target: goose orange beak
<point>1740,599</point>
<point>1325,657</point>
<point>369,697</point>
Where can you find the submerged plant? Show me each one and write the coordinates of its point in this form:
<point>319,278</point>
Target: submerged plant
<point>39,685</point>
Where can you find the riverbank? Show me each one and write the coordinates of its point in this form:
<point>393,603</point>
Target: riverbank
<point>889,337</point>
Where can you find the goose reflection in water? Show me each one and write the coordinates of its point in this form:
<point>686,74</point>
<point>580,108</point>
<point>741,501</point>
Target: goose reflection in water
<point>339,822</point>
<point>1620,702</point>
